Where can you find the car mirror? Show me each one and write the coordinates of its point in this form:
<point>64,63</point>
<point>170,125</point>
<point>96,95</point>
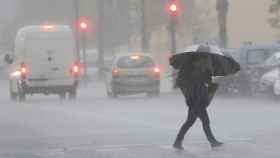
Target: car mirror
<point>8,59</point>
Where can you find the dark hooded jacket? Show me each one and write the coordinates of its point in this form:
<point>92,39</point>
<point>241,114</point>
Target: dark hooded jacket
<point>195,84</point>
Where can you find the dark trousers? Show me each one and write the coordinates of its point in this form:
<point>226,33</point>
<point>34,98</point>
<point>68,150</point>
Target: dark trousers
<point>192,116</point>
<point>197,110</point>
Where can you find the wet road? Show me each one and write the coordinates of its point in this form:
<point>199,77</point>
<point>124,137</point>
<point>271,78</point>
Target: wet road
<point>94,126</point>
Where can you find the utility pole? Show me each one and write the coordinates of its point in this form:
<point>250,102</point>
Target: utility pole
<point>172,8</point>
<point>222,10</point>
<point>83,29</point>
<point>144,40</point>
<point>173,36</point>
<point>100,8</point>
<point>77,15</point>
<point>173,11</point>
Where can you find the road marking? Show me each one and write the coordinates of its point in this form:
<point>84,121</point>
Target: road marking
<point>110,149</point>
<point>129,145</point>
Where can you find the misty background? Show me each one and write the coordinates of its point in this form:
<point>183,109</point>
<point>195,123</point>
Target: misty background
<point>197,21</point>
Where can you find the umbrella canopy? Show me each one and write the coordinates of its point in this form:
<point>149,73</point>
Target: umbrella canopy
<point>221,64</point>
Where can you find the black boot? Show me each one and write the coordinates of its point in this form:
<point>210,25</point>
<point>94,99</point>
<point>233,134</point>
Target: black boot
<point>216,144</point>
<point>213,141</point>
<point>178,145</point>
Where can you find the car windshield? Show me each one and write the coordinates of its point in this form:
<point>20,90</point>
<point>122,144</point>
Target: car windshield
<point>236,56</point>
<point>138,62</point>
<point>273,60</point>
<point>255,57</point>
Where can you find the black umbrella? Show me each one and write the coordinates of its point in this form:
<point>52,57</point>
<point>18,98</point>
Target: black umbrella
<point>221,64</point>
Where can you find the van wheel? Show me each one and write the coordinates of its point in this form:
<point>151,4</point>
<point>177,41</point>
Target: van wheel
<point>62,96</point>
<point>13,96</point>
<point>73,94</point>
<point>114,94</point>
<point>22,97</point>
<point>109,94</point>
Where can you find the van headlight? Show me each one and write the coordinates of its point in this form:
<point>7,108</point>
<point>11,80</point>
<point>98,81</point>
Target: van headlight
<point>15,74</point>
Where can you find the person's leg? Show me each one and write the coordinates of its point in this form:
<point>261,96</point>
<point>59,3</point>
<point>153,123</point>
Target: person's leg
<point>192,116</point>
<point>203,115</point>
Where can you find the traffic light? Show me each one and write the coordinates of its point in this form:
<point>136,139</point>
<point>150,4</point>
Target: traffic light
<point>173,7</point>
<point>83,24</point>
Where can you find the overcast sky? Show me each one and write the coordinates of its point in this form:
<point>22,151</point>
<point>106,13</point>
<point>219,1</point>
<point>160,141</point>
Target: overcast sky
<point>7,10</point>
<point>248,21</point>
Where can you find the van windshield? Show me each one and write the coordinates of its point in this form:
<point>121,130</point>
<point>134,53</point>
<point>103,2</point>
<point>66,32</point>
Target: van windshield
<point>51,41</point>
<point>54,46</point>
<point>49,35</point>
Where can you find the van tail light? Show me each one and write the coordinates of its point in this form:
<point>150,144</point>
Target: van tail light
<point>23,71</point>
<point>76,69</point>
<point>156,72</point>
<point>115,72</point>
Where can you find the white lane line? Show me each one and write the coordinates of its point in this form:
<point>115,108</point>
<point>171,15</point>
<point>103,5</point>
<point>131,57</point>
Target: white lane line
<point>86,147</point>
<point>217,155</point>
<point>129,145</point>
<point>239,140</point>
<point>111,149</point>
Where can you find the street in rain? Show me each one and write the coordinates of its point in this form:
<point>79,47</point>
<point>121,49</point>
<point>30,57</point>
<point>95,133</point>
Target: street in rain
<point>139,79</point>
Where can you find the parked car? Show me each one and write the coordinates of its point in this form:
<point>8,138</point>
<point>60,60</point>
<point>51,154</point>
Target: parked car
<point>252,58</point>
<point>44,61</point>
<point>227,85</point>
<point>276,88</point>
<point>268,81</point>
<point>133,73</point>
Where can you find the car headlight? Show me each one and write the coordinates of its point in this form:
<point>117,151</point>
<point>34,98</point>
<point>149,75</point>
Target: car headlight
<point>15,74</point>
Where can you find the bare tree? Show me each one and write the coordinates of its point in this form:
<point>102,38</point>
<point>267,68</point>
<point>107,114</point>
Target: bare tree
<point>222,10</point>
<point>275,11</point>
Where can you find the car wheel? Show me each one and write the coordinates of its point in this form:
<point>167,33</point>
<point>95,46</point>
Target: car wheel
<point>62,96</point>
<point>114,92</point>
<point>109,94</point>
<point>22,97</point>
<point>73,94</point>
<point>13,96</point>
<point>114,95</point>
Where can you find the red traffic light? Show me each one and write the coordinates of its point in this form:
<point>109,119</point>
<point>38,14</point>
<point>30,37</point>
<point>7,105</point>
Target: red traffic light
<point>83,24</point>
<point>173,7</point>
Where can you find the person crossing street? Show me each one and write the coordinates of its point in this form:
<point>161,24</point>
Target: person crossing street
<point>195,81</point>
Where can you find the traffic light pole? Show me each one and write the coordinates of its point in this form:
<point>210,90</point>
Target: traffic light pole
<point>173,45</point>
<point>76,10</point>
<point>100,4</point>
<point>144,40</point>
<point>84,45</point>
<point>173,35</point>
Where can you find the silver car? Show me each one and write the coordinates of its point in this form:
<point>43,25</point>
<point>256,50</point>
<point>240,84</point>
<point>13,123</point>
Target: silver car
<point>131,74</point>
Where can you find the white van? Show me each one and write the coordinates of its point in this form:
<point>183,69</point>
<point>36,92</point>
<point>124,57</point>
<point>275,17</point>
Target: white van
<point>45,60</point>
